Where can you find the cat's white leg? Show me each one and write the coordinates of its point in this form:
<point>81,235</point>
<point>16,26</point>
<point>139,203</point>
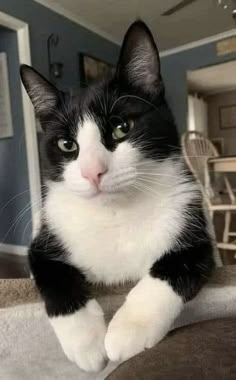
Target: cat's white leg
<point>143,320</point>
<point>81,336</point>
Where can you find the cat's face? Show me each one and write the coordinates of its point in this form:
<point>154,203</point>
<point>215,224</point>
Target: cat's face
<point>101,141</point>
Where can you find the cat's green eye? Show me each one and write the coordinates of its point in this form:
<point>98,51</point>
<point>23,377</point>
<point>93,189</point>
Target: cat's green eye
<point>67,146</point>
<point>121,130</point>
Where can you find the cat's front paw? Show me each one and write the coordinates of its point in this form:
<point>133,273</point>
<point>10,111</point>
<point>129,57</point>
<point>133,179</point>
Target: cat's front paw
<point>130,333</point>
<point>81,336</point>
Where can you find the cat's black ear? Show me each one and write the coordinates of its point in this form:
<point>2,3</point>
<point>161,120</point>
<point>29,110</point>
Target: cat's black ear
<point>42,93</point>
<point>139,61</point>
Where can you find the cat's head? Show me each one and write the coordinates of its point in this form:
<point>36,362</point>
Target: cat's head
<point>100,141</point>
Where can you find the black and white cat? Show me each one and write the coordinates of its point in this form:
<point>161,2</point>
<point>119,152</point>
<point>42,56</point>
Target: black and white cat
<point>118,205</point>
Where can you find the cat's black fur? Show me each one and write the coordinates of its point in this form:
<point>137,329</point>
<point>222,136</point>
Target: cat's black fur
<point>63,287</point>
<point>188,266</point>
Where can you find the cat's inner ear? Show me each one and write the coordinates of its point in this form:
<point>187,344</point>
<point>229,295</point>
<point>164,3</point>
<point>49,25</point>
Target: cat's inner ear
<point>42,93</point>
<point>139,61</point>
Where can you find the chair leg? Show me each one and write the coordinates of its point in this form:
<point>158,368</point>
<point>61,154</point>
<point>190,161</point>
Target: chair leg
<point>227,227</point>
<point>229,190</point>
<point>211,213</point>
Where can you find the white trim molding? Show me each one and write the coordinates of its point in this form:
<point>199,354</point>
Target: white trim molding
<point>22,31</point>
<point>57,8</point>
<point>203,41</point>
<point>19,250</point>
<point>6,129</point>
<point>11,22</point>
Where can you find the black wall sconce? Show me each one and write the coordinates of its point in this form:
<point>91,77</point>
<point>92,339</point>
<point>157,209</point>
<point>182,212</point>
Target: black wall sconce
<point>55,68</point>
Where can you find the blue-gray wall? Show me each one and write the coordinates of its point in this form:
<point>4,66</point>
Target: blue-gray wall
<point>13,161</point>
<point>73,40</point>
<point>174,70</point>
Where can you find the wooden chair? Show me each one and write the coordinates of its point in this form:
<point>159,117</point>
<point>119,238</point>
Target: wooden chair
<point>197,149</point>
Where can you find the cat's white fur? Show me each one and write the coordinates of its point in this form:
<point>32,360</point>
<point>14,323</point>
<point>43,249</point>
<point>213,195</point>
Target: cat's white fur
<point>82,336</point>
<point>117,235</point>
<point>143,320</point>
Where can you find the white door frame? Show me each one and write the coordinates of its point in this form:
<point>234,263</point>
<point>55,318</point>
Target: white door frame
<point>22,30</point>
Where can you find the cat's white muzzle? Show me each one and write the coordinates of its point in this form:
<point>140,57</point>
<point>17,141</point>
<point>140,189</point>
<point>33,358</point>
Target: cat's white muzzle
<point>110,183</point>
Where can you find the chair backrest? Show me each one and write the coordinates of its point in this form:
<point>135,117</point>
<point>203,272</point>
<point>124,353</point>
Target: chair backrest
<point>197,149</point>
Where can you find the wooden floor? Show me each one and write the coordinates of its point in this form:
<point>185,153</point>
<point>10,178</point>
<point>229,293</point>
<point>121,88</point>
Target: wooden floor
<point>12,266</point>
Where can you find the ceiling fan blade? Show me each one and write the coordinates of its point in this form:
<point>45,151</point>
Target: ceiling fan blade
<point>178,7</point>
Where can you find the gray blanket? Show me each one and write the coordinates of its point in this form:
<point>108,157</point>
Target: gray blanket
<point>29,349</point>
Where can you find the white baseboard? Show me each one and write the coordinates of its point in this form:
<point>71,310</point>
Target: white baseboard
<point>19,250</point>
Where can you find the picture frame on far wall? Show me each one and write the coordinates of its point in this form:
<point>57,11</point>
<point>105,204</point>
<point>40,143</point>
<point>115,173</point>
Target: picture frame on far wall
<point>218,142</point>
<point>92,69</point>
<point>227,115</point>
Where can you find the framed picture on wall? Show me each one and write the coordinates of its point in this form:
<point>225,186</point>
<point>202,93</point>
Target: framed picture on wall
<point>92,69</point>
<point>218,142</point>
<point>227,116</point>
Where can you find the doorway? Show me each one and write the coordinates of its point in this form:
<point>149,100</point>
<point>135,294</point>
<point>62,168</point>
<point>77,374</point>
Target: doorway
<point>15,47</point>
<point>212,113</point>
<point>212,104</point>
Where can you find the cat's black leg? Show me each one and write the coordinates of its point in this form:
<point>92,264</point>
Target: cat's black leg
<point>77,319</point>
<point>156,301</point>
<point>186,270</point>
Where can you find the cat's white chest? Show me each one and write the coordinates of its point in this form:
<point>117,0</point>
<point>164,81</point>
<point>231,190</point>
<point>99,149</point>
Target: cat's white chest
<point>112,244</point>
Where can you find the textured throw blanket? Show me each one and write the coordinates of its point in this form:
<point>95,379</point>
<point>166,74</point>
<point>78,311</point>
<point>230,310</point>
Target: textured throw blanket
<point>30,350</point>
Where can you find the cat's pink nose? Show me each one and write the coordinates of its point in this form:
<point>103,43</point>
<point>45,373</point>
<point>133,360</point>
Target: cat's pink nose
<point>94,173</point>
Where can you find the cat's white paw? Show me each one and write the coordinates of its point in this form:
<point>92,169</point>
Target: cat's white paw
<point>143,320</point>
<point>82,336</point>
<point>128,335</point>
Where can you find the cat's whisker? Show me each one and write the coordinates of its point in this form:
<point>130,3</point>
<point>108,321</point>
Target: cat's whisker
<point>12,199</point>
<point>139,189</point>
<point>152,162</point>
<point>154,182</point>
<point>157,174</point>
<point>150,165</point>
<point>145,190</point>
<point>58,113</point>
<point>54,122</point>
<point>24,211</point>
<point>25,229</point>
<point>65,107</point>
<point>100,102</point>
<point>149,188</point>
<point>161,116</point>
<point>116,117</point>
<point>148,191</point>
<point>107,101</point>
<point>135,97</point>
<point>200,156</point>
<point>19,217</point>
<point>21,214</point>
<point>140,142</point>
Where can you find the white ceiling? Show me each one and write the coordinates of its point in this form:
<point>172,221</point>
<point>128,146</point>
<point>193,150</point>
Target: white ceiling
<point>111,18</point>
<point>213,79</point>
